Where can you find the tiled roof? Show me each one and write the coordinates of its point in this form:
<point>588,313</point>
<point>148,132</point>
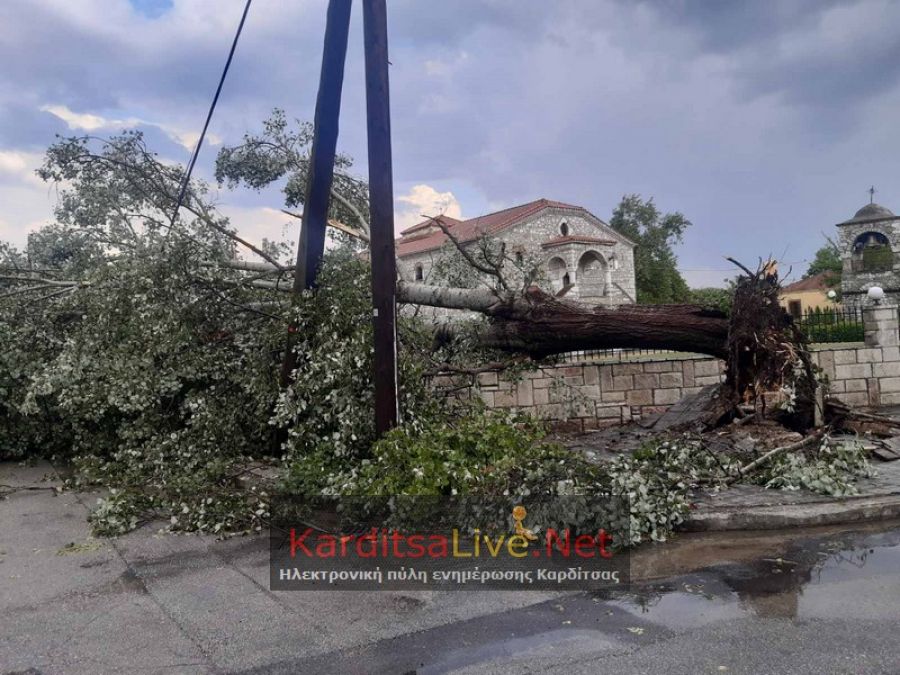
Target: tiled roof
<point>817,282</point>
<point>469,230</point>
<point>425,224</point>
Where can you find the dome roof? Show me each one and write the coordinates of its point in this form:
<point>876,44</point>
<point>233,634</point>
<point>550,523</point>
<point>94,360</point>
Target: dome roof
<point>872,212</point>
<point>869,213</point>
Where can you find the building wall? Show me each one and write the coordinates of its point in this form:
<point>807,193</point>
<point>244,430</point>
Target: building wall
<point>854,283</point>
<point>808,300</point>
<point>581,397</point>
<point>616,261</point>
<point>589,395</point>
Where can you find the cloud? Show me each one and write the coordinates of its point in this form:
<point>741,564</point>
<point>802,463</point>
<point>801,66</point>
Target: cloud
<point>764,123</point>
<point>26,209</point>
<point>17,167</point>
<point>424,200</point>
<point>258,223</point>
<point>85,121</point>
<point>89,122</point>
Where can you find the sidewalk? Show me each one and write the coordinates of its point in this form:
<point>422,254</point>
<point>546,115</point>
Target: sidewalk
<point>751,507</point>
<point>182,603</point>
<point>190,604</point>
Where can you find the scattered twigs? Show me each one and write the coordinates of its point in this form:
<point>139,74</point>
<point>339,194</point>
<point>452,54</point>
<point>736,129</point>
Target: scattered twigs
<point>247,266</point>
<point>759,461</point>
<point>362,235</point>
<point>842,410</point>
<point>746,419</point>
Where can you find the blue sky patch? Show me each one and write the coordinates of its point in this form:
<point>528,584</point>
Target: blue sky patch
<point>152,8</point>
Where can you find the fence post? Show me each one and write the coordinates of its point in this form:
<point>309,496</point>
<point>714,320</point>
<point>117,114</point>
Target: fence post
<point>881,326</point>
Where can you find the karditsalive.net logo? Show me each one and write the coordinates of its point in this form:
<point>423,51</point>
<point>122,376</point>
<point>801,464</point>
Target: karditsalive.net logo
<point>391,558</point>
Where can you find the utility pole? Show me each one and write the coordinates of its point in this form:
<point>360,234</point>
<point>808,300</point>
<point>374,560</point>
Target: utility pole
<point>381,192</point>
<point>381,216</point>
<point>321,162</point>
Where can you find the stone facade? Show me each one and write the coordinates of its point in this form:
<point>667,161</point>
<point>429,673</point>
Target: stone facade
<point>585,396</point>
<point>868,242</point>
<point>579,255</point>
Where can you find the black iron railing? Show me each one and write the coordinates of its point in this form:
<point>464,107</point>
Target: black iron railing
<point>618,355</point>
<point>832,324</point>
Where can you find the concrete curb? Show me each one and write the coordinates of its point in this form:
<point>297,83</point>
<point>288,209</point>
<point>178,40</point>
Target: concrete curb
<point>782,516</point>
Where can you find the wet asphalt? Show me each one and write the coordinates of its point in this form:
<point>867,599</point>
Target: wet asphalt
<point>822,601</point>
<point>817,602</point>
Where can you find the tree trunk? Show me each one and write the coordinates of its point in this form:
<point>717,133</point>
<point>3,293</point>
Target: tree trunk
<point>763,350</point>
<point>539,324</point>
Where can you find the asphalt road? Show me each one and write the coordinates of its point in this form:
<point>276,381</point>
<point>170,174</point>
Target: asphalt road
<point>825,601</point>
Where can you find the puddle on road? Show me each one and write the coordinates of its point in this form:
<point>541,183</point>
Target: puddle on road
<point>807,575</point>
<point>688,583</point>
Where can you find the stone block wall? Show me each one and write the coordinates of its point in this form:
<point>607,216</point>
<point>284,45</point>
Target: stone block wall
<point>588,396</point>
<point>585,396</point>
<point>862,375</point>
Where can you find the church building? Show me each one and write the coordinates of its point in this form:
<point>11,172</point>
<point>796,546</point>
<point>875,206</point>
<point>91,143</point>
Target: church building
<point>581,257</point>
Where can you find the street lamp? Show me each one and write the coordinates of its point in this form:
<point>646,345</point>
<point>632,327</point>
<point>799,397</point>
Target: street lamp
<point>832,294</point>
<point>875,294</point>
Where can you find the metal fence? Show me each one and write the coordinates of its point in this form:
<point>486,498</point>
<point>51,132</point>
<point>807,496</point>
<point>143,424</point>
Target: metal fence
<point>832,324</point>
<point>619,355</point>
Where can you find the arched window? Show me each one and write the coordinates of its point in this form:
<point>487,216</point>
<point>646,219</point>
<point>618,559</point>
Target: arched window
<point>558,273</point>
<point>420,273</point>
<point>564,228</point>
<point>593,275</point>
<point>872,253</point>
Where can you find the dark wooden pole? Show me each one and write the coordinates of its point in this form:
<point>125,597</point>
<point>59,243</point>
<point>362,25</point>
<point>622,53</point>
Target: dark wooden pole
<point>321,166</point>
<point>381,208</point>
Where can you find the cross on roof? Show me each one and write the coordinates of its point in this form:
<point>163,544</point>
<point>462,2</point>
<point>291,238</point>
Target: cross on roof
<point>871,192</point>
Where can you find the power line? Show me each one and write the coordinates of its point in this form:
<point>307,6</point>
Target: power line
<point>212,108</point>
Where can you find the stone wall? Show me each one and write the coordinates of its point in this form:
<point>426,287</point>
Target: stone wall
<point>590,395</point>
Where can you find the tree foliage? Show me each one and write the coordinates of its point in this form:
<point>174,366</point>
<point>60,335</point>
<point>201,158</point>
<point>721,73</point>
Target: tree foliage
<point>712,296</point>
<point>281,153</point>
<point>827,259</point>
<point>655,265</point>
<point>145,350</point>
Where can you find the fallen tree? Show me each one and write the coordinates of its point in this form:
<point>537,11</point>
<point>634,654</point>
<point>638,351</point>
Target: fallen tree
<point>764,351</point>
<point>146,350</point>
<point>539,324</point>
<point>119,200</point>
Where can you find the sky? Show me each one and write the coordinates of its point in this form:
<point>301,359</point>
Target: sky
<point>764,123</point>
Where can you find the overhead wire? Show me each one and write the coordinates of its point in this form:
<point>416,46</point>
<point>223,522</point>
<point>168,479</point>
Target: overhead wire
<point>190,168</point>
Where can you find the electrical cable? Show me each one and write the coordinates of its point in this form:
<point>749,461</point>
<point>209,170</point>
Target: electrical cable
<point>190,169</point>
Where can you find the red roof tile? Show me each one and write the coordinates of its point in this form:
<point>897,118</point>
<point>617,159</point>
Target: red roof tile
<point>469,230</point>
<point>817,282</point>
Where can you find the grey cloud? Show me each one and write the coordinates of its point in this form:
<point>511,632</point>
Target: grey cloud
<point>737,114</point>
